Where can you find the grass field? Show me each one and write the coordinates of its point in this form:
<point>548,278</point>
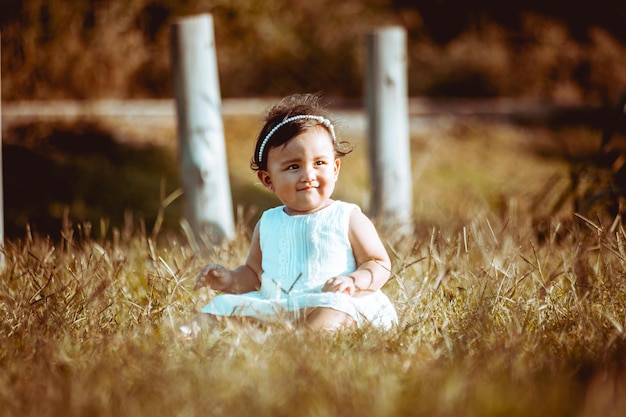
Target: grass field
<point>498,316</point>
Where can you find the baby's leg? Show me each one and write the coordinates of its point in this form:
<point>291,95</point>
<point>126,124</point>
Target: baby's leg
<point>327,319</point>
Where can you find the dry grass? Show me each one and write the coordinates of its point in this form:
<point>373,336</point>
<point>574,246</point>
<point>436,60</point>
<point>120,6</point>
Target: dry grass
<point>493,320</point>
<point>492,323</point>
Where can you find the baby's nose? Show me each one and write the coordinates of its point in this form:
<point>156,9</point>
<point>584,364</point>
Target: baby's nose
<point>308,174</point>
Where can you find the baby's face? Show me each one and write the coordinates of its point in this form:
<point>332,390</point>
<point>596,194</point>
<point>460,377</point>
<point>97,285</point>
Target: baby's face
<point>303,172</point>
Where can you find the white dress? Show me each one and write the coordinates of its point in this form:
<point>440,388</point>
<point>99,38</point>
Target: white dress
<point>299,254</point>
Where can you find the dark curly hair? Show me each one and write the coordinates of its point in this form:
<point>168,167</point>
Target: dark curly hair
<point>290,106</point>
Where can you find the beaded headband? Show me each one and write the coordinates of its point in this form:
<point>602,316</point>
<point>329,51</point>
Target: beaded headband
<point>320,119</point>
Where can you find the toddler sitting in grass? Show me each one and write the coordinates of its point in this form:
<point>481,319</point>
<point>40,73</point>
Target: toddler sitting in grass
<point>313,260</point>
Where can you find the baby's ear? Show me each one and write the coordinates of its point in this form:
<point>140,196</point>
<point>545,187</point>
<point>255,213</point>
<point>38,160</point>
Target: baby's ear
<point>265,180</point>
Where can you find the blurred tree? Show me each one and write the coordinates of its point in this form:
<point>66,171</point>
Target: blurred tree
<point>115,48</point>
<point>446,19</point>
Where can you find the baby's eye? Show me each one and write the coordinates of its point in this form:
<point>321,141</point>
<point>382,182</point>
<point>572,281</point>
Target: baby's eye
<point>320,162</point>
<point>292,167</point>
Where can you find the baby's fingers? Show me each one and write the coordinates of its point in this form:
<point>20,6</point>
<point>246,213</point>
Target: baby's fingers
<point>346,289</point>
<point>201,281</point>
<point>204,278</point>
<point>339,284</point>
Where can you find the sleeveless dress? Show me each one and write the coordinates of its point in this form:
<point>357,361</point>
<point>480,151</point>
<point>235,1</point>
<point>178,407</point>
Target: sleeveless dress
<point>299,254</point>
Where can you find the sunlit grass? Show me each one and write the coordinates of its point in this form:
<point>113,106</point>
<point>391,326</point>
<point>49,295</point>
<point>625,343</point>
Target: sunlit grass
<point>491,323</point>
<point>493,320</point>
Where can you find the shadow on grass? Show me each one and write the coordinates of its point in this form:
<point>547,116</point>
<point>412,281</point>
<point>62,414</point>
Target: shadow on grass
<point>83,172</point>
<point>79,170</point>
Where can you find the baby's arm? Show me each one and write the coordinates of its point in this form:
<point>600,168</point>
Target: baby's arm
<point>372,260</point>
<point>240,280</point>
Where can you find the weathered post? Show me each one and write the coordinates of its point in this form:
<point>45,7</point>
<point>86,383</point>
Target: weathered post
<point>387,104</point>
<point>204,171</point>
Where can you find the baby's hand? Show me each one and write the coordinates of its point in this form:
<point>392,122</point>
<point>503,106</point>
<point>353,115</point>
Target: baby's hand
<point>213,276</point>
<point>343,284</point>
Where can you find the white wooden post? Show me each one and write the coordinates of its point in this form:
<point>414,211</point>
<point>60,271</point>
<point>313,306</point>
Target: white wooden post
<point>387,104</point>
<point>204,171</point>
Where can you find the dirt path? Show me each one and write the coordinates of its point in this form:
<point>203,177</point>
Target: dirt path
<point>154,121</point>
<point>164,110</point>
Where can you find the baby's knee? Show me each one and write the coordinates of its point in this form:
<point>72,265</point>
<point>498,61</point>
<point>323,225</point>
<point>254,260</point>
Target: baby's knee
<point>328,319</point>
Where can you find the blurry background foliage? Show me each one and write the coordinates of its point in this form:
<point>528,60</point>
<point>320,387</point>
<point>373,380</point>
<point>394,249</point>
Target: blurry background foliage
<point>120,48</point>
<point>94,49</point>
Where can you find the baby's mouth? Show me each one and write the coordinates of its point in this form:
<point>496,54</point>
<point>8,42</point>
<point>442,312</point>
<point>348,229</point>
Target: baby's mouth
<point>308,187</point>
